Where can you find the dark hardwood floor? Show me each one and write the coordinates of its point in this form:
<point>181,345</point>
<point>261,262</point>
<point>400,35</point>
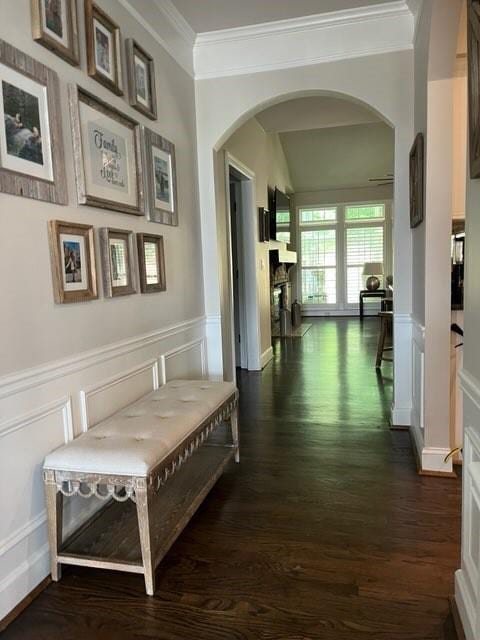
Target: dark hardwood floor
<point>324,531</point>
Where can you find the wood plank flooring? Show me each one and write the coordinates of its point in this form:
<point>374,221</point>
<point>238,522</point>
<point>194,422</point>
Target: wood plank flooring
<point>324,531</point>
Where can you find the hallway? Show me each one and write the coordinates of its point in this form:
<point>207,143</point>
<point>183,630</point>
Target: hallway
<point>324,530</point>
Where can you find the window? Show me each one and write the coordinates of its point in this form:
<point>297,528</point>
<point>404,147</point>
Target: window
<point>364,244</point>
<point>283,226</point>
<point>319,273</point>
<point>335,243</point>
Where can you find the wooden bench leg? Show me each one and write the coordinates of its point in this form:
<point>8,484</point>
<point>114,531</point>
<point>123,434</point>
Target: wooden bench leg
<point>143,499</point>
<point>234,425</point>
<point>381,342</point>
<point>54,500</point>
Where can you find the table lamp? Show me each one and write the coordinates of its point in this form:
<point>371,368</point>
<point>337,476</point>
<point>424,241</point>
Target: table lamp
<point>373,270</point>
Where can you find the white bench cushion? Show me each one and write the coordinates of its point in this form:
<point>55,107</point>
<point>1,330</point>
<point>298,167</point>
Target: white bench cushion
<point>140,436</point>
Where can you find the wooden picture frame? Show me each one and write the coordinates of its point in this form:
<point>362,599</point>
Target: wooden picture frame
<point>107,155</point>
<point>103,40</point>
<point>31,146</point>
<point>473,43</point>
<point>72,254</point>
<point>161,178</point>
<point>57,31</point>
<point>141,79</point>
<point>124,281</point>
<point>152,266</point>
<point>417,172</point>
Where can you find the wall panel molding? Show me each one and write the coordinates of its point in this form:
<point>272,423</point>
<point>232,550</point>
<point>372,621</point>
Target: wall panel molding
<point>174,353</point>
<point>64,405</point>
<point>29,378</point>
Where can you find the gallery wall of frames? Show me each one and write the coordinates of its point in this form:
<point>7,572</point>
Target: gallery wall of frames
<point>119,164</point>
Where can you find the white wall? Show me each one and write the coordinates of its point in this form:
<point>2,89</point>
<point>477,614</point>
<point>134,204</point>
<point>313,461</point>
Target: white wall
<point>385,82</point>
<point>435,68</point>
<point>64,367</point>
<point>263,154</point>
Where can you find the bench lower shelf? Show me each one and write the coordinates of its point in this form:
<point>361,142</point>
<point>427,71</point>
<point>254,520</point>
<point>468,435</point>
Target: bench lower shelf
<point>110,539</point>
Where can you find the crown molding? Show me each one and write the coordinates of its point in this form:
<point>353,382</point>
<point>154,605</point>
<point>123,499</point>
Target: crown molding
<point>168,27</point>
<point>171,12</point>
<point>329,37</point>
<point>344,17</point>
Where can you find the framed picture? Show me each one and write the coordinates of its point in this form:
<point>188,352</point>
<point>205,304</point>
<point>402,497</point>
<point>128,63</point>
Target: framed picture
<point>55,26</point>
<point>161,178</point>
<point>151,260</point>
<point>118,262</point>
<point>31,150</point>
<point>72,253</point>
<point>473,40</point>
<point>104,59</point>
<point>417,182</point>
<point>107,155</point>
<point>141,80</point>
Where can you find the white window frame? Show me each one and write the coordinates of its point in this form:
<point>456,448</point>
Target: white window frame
<point>342,306</point>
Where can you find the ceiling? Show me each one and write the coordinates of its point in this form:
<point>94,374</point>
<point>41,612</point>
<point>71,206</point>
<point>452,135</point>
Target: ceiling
<point>212,15</point>
<point>317,112</point>
<point>338,157</point>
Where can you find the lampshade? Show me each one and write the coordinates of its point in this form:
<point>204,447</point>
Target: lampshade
<point>373,269</point>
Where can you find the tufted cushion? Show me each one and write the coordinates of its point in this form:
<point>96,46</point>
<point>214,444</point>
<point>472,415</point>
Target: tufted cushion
<point>140,436</point>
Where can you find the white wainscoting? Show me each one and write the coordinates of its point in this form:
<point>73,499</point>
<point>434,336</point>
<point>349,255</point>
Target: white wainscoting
<point>467,578</point>
<point>418,382</point>
<point>44,407</point>
<point>402,402</point>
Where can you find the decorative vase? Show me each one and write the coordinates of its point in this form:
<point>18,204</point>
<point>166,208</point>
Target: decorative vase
<point>373,283</point>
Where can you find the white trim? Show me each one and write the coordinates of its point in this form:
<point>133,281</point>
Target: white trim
<point>22,532</point>
<point>466,607</point>
<point>113,381</point>
<point>433,459</point>
<point>302,24</point>
<point>37,376</point>
<point>470,386</point>
<point>178,37</point>
<point>249,240</point>
<point>401,416</point>
<point>182,349</point>
<point>266,357</point>
<point>316,39</point>
<point>64,404</point>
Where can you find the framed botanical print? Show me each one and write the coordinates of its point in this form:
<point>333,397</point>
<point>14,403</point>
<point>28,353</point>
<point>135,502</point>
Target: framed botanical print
<point>161,179</point>
<point>417,182</point>
<point>141,80</point>
<point>72,253</point>
<point>104,58</point>
<point>31,151</point>
<point>151,260</point>
<point>55,26</point>
<point>107,155</point>
<point>118,262</point>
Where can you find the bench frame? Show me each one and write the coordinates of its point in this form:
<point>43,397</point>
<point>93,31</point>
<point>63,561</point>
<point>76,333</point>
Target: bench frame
<point>140,489</point>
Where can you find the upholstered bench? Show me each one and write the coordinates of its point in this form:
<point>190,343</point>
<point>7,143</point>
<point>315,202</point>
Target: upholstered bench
<point>136,461</point>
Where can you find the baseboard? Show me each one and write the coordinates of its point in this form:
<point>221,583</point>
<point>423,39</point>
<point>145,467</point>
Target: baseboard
<point>401,416</point>
<point>457,621</point>
<point>266,356</point>
<point>430,461</point>
<point>464,606</point>
<point>23,604</point>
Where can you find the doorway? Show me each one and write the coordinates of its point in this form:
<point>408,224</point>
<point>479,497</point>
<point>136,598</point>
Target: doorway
<point>241,228</point>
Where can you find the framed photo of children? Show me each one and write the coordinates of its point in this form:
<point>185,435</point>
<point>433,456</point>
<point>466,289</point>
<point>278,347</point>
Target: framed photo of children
<point>107,155</point>
<point>118,262</point>
<point>55,26</point>
<point>104,58</point>
<point>31,151</point>
<point>141,80</point>
<point>72,254</point>
<point>151,259</point>
<point>161,179</point>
